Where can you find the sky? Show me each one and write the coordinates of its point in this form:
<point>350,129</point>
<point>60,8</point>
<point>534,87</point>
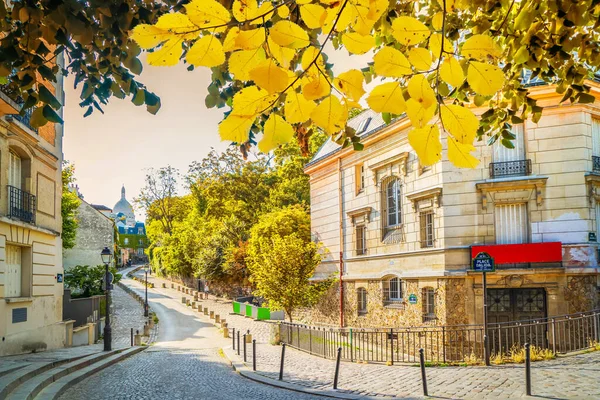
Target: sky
<point>116,148</point>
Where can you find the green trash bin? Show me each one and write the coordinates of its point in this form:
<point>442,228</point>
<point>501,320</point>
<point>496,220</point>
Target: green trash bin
<point>263,313</point>
<point>236,308</point>
<point>249,310</point>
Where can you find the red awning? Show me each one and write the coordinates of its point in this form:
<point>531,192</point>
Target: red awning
<point>522,253</point>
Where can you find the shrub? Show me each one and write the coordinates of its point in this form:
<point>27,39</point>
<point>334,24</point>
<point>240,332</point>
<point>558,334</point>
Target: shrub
<point>86,281</point>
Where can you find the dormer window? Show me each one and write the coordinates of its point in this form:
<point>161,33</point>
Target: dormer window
<point>364,124</point>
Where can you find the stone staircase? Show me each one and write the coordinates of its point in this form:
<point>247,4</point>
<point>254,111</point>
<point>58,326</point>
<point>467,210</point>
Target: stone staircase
<point>47,379</point>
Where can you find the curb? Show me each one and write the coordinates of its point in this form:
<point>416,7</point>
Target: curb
<point>247,373</point>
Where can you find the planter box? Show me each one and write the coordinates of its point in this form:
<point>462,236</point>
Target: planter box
<point>237,308</point>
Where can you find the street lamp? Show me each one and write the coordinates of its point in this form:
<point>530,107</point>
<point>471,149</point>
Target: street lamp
<point>146,303</point>
<point>106,259</point>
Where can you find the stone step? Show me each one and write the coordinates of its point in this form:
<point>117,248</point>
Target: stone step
<point>9,367</point>
<point>59,386</point>
<point>11,380</point>
<point>29,389</point>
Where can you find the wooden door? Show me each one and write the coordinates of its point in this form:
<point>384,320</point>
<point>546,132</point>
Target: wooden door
<point>13,271</point>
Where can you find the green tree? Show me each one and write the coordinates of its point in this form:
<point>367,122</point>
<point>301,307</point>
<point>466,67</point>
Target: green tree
<point>157,196</point>
<point>86,281</point>
<point>68,207</point>
<point>282,259</point>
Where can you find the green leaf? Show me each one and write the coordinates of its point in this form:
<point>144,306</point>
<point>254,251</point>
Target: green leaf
<point>139,97</point>
<point>358,146</point>
<point>134,65</point>
<point>210,101</point>
<point>508,143</point>
<point>37,118</point>
<point>387,117</point>
<point>153,109</point>
<point>51,115</point>
<point>47,97</point>
<point>585,98</point>
<point>89,111</point>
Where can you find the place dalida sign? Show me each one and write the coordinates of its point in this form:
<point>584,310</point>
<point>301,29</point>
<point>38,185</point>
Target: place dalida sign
<point>483,262</point>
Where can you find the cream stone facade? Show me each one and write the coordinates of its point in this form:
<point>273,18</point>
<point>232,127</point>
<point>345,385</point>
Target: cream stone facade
<point>406,234</point>
<point>31,269</point>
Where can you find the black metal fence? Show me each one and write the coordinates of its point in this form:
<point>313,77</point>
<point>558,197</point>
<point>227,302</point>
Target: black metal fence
<point>21,205</point>
<point>510,168</point>
<point>442,344</point>
<point>596,163</point>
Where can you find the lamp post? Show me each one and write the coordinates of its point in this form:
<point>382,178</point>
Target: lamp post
<point>146,302</point>
<point>106,259</point>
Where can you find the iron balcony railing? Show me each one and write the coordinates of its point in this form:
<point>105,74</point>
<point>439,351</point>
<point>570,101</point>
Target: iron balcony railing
<point>510,168</point>
<point>442,344</point>
<point>596,163</point>
<point>25,118</point>
<point>21,205</point>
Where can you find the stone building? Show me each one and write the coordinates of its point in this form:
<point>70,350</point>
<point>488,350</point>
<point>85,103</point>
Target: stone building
<point>132,234</point>
<point>404,235</point>
<point>94,232</point>
<point>31,271</point>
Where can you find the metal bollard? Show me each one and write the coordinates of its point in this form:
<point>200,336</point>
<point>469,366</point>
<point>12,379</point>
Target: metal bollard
<point>244,347</point>
<point>233,337</point>
<point>238,339</point>
<point>132,337</point>
<point>282,358</point>
<point>253,354</point>
<point>527,369</point>
<point>337,368</point>
<point>423,375</point>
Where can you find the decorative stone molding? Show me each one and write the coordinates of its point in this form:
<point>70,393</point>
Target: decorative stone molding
<point>435,194</point>
<point>363,213</point>
<point>593,182</point>
<point>401,160</point>
<point>522,188</point>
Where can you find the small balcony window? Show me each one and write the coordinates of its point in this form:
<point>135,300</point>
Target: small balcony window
<point>511,161</point>
<point>392,292</point>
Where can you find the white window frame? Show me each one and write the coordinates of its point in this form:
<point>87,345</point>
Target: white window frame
<point>15,170</point>
<point>428,304</point>
<point>596,137</point>
<point>503,154</point>
<point>361,240</point>
<point>393,291</point>
<point>427,228</point>
<point>392,193</point>
<point>361,300</point>
<point>511,223</point>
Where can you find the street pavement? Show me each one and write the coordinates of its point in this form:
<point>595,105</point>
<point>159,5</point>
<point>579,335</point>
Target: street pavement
<point>185,363</point>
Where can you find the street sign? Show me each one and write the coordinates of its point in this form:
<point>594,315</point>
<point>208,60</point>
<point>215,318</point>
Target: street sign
<point>412,299</point>
<point>592,236</point>
<point>59,278</point>
<point>483,262</point>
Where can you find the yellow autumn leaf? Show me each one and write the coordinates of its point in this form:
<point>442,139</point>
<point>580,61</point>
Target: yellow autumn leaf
<point>269,76</point>
<point>391,63</point>
<point>243,61</point>
<point>206,52</point>
<point>229,42</point>
<point>420,58</point>
<point>342,18</point>
<point>437,21</point>
<point>420,90</point>
<point>426,143</point>
<point>297,108</point>
<point>310,54</point>
<point>363,24</point>
<point>377,8</point>
<point>283,55</point>
<point>316,88</point>
<point>264,13</point>
<point>409,31</point>
<point>485,79</point>
<point>460,122</point>
<point>460,155</point>
<point>276,132</point>
<point>313,15</point>
<point>252,100</point>
<point>480,47</point>
<point>250,39</point>
<point>149,36</point>
<point>419,116</point>
<point>244,10</point>
<point>236,128</point>
<point>435,45</point>
<point>283,11</point>
<point>356,43</point>
<point>208,14</point>
<point>330,115</point>
<point>387,97</point>
<point>288,34</point>
<point>179,24</point>
<point>451,72</point>
<point>351,84</point>
<point>168,54</point>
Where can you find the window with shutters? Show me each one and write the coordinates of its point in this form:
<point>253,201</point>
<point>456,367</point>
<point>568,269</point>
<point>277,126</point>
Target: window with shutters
<point>427,229</point>
<point>359,173</point>
<point>511,223</point>
<point>596,144</point>
<point>14,170</point>
<point>393,203</point>
<point>361,240</point>
<point>13,275</point>
<point>361,301</point>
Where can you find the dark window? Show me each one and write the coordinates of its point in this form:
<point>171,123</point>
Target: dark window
<point>428,304</point>
<point>19,315</point>
<point>361,240</point>
<point>427,230</point>
<point>393,203</point>
<point>361,298</point>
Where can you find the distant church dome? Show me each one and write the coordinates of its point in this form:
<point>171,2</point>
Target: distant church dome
<point>125,208</point>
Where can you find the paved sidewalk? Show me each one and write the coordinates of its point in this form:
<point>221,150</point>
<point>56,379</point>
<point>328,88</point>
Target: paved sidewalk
<point>563,378</point>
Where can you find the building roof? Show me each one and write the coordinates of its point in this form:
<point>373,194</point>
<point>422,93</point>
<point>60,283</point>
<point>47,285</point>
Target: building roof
<point>100,207</point>
<point>124,207</point>
<point>131,230</point>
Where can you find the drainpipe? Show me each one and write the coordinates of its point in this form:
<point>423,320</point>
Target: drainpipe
<point>341,215</point>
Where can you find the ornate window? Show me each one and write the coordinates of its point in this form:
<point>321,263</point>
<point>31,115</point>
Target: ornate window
<point>361,301</point>
<point>393,203</point>
<point>392,291</point>
<point>428,304</point>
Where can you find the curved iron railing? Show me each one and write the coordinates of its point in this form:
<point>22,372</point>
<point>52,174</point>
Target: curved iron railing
<point>442,344</point>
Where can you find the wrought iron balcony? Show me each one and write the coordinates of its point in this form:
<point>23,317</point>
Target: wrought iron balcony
<point>25,119</point>
<point>596,163</point>
<point>21,205</point>
<point>510,168</point>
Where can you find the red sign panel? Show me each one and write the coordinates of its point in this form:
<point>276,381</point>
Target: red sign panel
<point>522,253</point>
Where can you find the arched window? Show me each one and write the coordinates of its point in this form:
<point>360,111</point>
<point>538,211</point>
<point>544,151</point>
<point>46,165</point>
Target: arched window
<point>393,203</point>
<point>361,299</point>
<point>428,304</point>
<point>392,291</point>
